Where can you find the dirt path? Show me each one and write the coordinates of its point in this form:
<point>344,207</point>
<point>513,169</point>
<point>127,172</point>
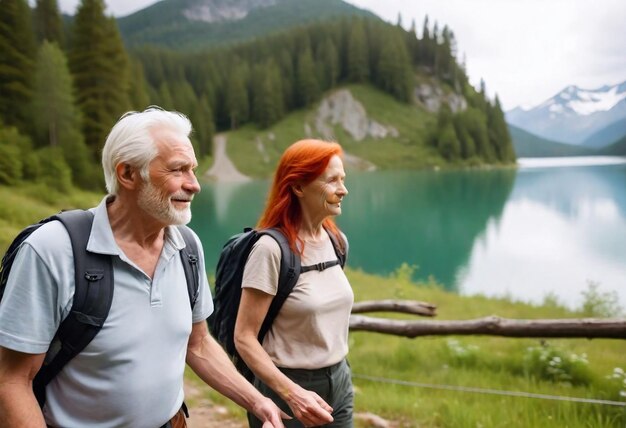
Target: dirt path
<point>203,413</point>
<point>223,168</point>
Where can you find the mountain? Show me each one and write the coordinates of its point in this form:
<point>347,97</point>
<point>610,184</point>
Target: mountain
<point>607,135</point>
<point>197,24</point>
<point>528,145</point>
<point>616,149</point>
<point>574,114</point>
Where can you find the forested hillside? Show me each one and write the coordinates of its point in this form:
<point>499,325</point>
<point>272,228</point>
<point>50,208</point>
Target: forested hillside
<point>180,24</point>
<point>61,93</point>
<point>530,145</point>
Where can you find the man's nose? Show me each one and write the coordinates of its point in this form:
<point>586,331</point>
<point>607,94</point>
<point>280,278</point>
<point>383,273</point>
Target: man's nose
<point>191,183</point>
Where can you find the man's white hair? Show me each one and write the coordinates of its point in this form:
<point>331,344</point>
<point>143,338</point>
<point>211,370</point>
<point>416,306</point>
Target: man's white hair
<point>131,141</point>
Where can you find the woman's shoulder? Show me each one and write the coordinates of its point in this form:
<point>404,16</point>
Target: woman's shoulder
<point>266,244</point>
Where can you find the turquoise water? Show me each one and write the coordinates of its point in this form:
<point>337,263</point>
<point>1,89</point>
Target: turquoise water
<point>547,227</point>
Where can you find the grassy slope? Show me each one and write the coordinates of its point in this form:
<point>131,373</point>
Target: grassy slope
<point>495,363</point>
<point>408,151</point>
<point>28,203</point>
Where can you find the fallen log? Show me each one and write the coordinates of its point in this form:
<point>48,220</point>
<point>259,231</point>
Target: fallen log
<point>405,306</point>
<point>590,328</point>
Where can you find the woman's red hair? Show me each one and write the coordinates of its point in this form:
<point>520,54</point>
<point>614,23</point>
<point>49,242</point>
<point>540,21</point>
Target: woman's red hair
<point>301,163</point>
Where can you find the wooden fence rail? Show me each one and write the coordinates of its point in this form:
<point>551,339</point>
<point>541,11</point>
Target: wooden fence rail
<point>590,328</point>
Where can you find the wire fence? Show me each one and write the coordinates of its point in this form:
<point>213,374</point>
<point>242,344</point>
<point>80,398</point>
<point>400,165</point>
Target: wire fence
<point>489,391</point>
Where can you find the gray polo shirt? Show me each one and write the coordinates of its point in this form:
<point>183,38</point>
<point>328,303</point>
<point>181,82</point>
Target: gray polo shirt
<point>131,374</point>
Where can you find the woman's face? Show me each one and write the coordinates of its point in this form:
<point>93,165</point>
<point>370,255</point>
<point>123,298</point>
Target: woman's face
<point>322,197</point>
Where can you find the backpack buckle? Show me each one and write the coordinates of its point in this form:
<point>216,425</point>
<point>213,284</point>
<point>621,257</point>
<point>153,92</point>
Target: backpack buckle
<point>320,266</point>
<point>93,276</point>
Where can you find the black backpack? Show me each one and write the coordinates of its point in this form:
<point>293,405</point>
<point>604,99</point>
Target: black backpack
<point>228,277</point>
<point>93,294</point>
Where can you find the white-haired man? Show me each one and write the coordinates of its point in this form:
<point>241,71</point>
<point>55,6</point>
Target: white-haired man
<point>131,373</point>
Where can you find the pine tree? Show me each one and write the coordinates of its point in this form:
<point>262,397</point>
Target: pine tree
<point>286,65</point>
<point>138,91</point>
<point>327,62</point>
<point>306,80</point>
<point>17,62</point>
<point>461,126</point>
<point>237,102</point>
<point>394,71</point>
<point>164,97</point>
<point>267,99</point>
<point>48,21</point>
<point>476,125</point>
<point>499,136</point>
<point>447,140</point>
<point>57,121</point>
<point>100,68</point>
<point>357,54</point>
<point>204,127</point>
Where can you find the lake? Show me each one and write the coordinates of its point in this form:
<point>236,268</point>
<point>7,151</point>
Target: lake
<point>551,226</point>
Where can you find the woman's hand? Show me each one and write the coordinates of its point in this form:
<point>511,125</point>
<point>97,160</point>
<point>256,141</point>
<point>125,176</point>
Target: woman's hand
<point>308,407</point>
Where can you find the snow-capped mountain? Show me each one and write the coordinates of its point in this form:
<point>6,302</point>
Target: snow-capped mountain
<point>574,114</point>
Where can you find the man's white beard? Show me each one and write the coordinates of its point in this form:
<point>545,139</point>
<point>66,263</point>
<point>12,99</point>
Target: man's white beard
<point>155,204</point>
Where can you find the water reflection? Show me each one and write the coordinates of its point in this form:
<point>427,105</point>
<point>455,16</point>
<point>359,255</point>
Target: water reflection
<point>525,233</point>
<point>426,219</point>
<point>561,229</point>
<point>422,218</point>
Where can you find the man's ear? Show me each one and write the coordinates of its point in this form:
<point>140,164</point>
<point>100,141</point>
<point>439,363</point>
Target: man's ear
<point>127,176</point>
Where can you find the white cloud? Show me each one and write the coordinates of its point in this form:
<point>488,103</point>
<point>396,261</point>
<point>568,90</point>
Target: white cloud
<point>527,50</point>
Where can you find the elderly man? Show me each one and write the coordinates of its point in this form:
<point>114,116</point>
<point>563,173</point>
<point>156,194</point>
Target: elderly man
<point>131,373</point>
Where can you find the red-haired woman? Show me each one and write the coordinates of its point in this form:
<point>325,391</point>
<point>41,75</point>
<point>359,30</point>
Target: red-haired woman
<point>301,363</point>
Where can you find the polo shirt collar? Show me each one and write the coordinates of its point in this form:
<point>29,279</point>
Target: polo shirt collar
<point>102,241</point>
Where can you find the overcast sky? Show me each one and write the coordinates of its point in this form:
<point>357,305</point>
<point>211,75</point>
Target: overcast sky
<point>525,50</point>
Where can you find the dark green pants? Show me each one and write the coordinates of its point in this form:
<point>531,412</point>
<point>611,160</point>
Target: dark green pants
<point>333,384</point>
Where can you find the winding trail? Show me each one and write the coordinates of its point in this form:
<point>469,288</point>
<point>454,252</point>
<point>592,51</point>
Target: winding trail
<point>223,169</point>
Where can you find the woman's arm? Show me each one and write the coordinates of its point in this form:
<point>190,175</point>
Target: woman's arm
<point>306,405</point>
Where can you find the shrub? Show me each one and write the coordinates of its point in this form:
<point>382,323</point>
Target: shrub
<point>10,164</point>
<point>459,354</point>
<point>548,363</point>
<point>618,382</point>
<point>55,173</point>
<point>600,304</point>
<point>13,147</point>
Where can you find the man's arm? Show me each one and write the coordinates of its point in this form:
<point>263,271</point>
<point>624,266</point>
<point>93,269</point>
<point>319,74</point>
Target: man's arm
<point>209,361</point>
<point>18,405</point>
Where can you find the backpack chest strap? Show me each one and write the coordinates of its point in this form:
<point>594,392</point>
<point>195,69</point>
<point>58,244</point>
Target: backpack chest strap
<point>320,266</point>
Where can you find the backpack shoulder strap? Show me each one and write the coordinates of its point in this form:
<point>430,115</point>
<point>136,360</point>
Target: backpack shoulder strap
<point>93,295</point>
<point>342,254</point>
<point>290,269</point>
<point>189,257</point>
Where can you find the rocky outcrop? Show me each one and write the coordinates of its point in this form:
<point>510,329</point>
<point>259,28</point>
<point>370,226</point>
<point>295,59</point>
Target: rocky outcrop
<point>341,108</point>
<point>432,97</point>
<point>223,10</point>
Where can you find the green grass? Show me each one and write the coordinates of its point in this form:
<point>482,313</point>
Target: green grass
<point>491,362</point>
<point>486,362</point>
<point>28,203</point>
<point>408,151</point>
